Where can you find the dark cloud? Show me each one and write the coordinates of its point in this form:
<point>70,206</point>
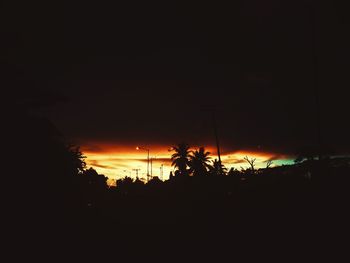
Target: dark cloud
<point>143,73</point>
<point>92,148</point>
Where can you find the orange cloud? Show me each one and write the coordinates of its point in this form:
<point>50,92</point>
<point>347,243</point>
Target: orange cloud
<point>118,161</point>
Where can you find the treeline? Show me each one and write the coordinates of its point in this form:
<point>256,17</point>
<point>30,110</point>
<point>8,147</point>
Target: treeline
<point>51,195</point>
<point>44,165</point>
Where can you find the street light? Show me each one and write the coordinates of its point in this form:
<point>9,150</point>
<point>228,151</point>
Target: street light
<point>145,149</point>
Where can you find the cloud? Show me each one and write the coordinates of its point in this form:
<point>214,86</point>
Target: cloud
<point>277,157</point>
<point>91,148</point>
<point>98,164</point>
<point>238,161</point>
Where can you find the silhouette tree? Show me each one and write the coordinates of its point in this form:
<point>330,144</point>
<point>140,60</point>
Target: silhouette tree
<point>155,181</point>
<point>76,159</point>
<point>95,179</point>
<point>93,187</point>
<point>217,168</point>
<point>313,152</point>
<point>233,172</point>
<point>306,153</point>
<point>251,162</point>
<point>199,162</point>
<point>125,184</point>
<point>269,163</point>
<point>180,159</point>
<point>171,175</point>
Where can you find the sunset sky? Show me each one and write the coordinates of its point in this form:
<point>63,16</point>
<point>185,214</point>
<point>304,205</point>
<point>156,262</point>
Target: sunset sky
<point>94,80</point>
<point>112,78</point>
<point>117,162</point>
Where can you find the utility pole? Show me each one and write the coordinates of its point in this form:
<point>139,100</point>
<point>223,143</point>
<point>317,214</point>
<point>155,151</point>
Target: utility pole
<point>137,172</point>
<point>315,62</point>
<point>147,165</point>
<point>145,149</point>
<point>212,109</point>
<point>151,161</point>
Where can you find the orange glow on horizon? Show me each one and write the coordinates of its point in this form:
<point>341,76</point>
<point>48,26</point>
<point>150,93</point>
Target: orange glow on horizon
<point>116,162</point>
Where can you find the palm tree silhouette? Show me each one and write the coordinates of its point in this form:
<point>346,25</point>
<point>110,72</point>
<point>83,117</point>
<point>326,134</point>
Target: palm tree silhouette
<point>180,159</point>
<point>199,162</point>
<point>217,168</point>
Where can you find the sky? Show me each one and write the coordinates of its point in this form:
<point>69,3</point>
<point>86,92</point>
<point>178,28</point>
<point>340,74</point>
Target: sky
<point>147,73</point>
<point>117,161</point>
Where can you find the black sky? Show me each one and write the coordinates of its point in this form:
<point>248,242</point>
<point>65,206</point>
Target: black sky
<point>146,71</point>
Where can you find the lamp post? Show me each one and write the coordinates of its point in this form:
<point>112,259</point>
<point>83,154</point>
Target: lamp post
<point>145,149</point>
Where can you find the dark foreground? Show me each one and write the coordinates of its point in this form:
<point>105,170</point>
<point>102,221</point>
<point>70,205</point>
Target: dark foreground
<point>187,219</point>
